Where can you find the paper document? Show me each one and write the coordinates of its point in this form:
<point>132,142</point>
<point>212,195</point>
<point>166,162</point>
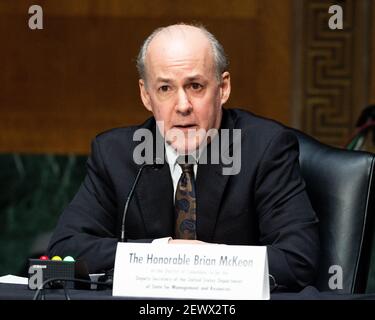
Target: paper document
<point>13,279</point>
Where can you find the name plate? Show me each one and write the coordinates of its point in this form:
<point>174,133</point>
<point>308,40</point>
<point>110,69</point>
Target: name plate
<point>209,271</point>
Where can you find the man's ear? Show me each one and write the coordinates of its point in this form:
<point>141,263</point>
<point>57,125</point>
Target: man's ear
<point>225,87</point>
<point>144,95</point>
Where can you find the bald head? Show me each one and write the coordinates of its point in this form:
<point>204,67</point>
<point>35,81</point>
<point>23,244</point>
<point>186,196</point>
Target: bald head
<point>181,41</point>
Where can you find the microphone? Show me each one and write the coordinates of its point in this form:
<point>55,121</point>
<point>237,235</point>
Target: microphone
<point>156,165</point>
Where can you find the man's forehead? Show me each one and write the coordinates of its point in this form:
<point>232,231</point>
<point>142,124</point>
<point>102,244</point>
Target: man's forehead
<point>162,71</point>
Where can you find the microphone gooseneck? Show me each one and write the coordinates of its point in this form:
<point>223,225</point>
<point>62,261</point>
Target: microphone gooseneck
<point>156,165</point>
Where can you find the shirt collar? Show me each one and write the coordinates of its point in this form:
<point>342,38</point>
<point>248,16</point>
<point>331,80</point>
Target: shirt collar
<point>172,155</point>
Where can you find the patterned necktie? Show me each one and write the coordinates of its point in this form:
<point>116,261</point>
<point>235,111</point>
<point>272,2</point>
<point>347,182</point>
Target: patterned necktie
<point>185,201</point>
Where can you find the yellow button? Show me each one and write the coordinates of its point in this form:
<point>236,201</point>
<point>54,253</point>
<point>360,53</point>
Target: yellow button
<point>56,258</point>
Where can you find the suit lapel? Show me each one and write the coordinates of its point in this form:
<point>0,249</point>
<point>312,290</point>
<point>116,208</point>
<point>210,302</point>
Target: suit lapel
<point>155,198</point>
<point>155,194</point>
<point>210,187</point>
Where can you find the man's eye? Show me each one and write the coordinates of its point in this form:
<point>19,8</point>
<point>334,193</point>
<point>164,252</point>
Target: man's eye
<point>196,86</point>
<point>164,88</point>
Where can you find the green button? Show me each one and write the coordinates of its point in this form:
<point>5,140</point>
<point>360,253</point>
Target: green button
<point>69,259</point>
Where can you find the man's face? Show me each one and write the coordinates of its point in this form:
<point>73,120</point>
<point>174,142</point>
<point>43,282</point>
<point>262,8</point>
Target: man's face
<point>182,88</point>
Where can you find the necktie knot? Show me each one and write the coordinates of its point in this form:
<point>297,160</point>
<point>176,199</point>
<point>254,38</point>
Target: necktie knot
<point>186,163</point>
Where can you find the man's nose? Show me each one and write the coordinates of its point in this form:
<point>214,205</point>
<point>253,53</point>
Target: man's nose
<point>183,104</point>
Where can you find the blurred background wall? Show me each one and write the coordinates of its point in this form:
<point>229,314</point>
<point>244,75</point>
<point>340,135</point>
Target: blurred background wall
<point>76,77</point>
<point>62,85</point>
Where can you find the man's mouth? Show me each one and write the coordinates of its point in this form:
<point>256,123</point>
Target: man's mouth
<point>186,126</point>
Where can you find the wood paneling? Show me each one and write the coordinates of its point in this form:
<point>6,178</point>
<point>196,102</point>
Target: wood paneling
<point>271,70</point>
<point>138,8</point>
<point>332,80</point>
<point>62,85</point>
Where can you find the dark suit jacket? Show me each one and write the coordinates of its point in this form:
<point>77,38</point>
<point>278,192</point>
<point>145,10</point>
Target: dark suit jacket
<point>265,204</point>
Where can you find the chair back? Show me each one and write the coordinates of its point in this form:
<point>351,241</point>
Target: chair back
<point>340,185</point>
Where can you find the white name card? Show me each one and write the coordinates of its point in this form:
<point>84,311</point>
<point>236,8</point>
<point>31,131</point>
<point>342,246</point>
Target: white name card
<point>209,271</point>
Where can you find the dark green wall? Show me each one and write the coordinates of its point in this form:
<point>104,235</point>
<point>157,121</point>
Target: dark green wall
<point>33,191</point>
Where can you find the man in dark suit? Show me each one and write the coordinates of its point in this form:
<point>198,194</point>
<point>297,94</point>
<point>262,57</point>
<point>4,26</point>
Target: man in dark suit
<point>184,83</point>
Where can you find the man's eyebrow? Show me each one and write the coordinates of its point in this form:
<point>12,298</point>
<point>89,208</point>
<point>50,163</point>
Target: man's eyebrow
<point>195,77</point>
<point>191,78</point>
<point>166,80</point>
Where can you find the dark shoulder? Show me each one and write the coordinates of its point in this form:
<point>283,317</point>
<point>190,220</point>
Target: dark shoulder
<point>258,133</point>
<point>249,122</point>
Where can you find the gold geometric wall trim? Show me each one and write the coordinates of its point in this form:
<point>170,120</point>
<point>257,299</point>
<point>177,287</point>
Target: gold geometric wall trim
<point>330,71</point>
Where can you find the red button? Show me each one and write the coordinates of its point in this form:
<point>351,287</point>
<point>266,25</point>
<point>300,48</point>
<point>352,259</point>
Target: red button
<point>43,258</point>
